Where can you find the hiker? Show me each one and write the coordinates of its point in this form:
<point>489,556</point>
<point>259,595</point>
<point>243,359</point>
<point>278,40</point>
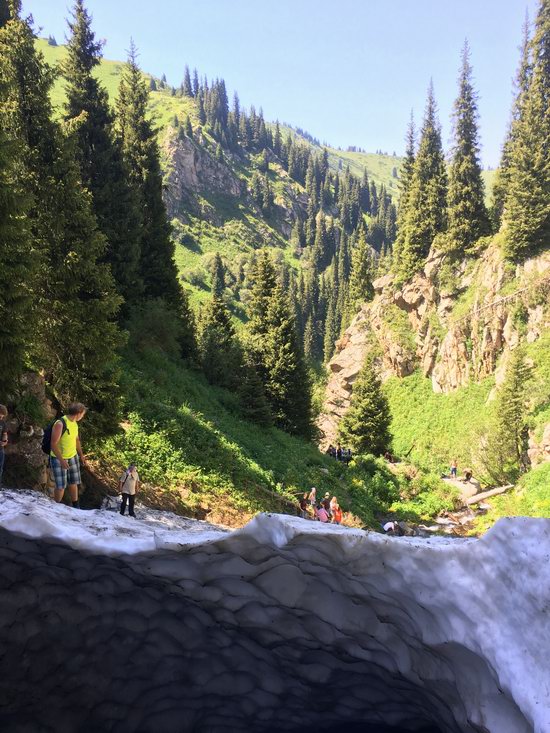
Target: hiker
<point>313,497</point>
<point>349,456</point>
<point>304,503</point>
<point>3,438</point>
<point>467,474</point>
<point>454,468</point>
<point>339,452</point>
<point>127,486</point>
<point>326,503</point>
<point>321,513</point>
<point>331,451</point>
<point>66,453</point>
<point>336,511</point>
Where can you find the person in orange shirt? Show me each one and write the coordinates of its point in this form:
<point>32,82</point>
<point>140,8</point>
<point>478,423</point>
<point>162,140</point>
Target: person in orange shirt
<point>336,512</point>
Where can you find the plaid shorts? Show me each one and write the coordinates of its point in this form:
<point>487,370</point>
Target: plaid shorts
<point>61,477</point>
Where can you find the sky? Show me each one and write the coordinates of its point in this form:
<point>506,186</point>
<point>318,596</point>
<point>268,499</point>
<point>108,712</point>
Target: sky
<point>347,71</point>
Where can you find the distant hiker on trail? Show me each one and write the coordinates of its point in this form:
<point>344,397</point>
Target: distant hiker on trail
<point>66,453</point>
<point>313,497</point>
<point>321,513</point>
<point>128,484</point>
<point>331,451</point>
<point>339,452</point>
<point>304,503</point>
<point>326,503</point>
<point>348,456</point>
<point>454,468</point>
<point>336,511</point>
<point>3,438</point>
<point>467,474</point>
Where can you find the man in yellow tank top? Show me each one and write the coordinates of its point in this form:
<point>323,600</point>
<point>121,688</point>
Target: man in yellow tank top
<point>66,453</point>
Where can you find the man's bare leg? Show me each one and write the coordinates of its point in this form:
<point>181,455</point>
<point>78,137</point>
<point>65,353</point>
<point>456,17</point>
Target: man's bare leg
<point>73,491</point>
<point>58,495</point>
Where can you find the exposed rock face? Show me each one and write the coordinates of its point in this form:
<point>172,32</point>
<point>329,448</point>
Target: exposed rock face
<point>455,324</point>
<point>190,170</point>
<point>283,626</point>
<point>539,450</point>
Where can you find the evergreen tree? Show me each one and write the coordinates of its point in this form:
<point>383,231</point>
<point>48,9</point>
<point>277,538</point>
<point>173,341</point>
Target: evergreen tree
<point>366,424</point>
<point>277,352</point>
<point>504,455</point>
<point>467,215</point>
<point>219,351</point>
<point>218,277</point>
<point>427,194</point>
<point>75,303</point>
<point>405,181</point>
<point>254,404</point>
<point>16,253</point>
<point>523,75</point>
<point>141,154</point>
<point>360,284</point>
<point>99,156</point>
<point>187,87</point>
<point>527,204</point>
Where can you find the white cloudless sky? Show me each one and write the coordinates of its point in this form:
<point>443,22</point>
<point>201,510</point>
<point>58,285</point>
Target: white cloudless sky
<point>348,71</point>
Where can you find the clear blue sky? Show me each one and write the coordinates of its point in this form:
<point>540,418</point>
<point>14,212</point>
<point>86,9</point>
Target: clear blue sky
<point>348,71</point>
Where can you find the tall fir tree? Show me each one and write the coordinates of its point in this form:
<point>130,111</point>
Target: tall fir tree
<point>141,154</point>
<point>527,203</point>
<point>99,154</point>
<point>468,219</point>
<point>405,180</point>
<point>426,210</point>
<point>251,392</point>
<point>76,336</point>
<point>521,83</point>
<point>504,453</point>
<point>218,276</point>
<point>360,283</point>
<point>219,351</point>
<point>17,274</point>
<point>366,424</point>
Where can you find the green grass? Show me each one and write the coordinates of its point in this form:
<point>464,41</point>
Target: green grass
<point>196,455</point>
<point>530,498</point>
<point>435,428</point>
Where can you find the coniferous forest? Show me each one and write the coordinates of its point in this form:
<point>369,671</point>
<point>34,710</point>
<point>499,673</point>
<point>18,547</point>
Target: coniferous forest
<point>93,247</point>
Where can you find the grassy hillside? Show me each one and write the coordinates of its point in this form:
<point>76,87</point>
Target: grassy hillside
<point>197,456</point>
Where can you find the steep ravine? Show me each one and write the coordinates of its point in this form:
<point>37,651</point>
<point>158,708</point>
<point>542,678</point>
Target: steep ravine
<point>455,322</point>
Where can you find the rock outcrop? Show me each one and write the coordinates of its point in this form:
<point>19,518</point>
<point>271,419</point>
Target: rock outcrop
<point>455,322</point>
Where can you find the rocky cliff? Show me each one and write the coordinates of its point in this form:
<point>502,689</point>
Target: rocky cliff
<point>454,321</point>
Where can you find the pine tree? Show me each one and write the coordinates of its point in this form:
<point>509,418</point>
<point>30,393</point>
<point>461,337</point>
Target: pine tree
<point>75,304</point>
<point>276,350</point>
<point>99,155</point>
<point>287,387</point>
<point>187,87</point>
<point>427,194</point>
<point>254,404</point>
<point>527,204</point>
<point>219,351</point>
<point>360,284</point>
<point>523,75</point>
<point>467,215</point>
<point>140,148</point>
<point>504,454</point>
<point>405,180</point>
<point>366,424</point>
<point>17,272</point>
<point>218,277</point>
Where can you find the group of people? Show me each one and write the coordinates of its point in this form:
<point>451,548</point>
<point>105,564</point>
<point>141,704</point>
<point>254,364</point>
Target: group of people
<point>61,443</point>
<point>325,510</point>
<point>341,454</point>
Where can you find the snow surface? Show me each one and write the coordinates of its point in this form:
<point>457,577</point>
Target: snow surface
<point>250,628</point>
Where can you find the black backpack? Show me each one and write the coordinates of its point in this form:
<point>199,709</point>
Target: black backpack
<point>47,437</point>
